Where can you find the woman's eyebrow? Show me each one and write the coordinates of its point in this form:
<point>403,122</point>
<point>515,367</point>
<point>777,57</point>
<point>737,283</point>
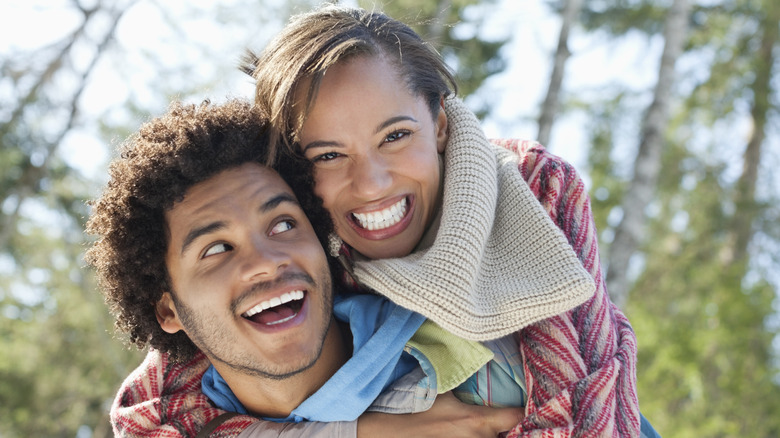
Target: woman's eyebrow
<point>379,128</point>
<point>393,120</point>
<point>321,144</point>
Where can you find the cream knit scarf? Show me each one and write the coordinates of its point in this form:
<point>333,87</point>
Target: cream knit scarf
<point>498,262</point>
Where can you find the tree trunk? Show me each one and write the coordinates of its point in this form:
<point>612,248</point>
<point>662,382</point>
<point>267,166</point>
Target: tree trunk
<point>761,89</point>
<point>562,53</point>
<point>641,190</point>
<point>30,181</point>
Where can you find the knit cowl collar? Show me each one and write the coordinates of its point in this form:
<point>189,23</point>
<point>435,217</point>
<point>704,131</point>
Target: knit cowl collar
<point>498,262</point>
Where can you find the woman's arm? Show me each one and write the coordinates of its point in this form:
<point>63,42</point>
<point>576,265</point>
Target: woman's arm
<point>448,417</point>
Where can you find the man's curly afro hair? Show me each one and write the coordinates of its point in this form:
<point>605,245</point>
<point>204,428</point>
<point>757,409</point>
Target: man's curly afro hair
<point>157,165</point>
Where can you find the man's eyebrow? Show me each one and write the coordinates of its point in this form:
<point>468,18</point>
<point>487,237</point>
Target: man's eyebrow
<point>200,231</point>
<point>219,225</point>
<point>277,200</point>
<point>382,126</point>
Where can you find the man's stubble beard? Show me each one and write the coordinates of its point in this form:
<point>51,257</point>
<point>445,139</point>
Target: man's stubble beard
<point>208,334</point>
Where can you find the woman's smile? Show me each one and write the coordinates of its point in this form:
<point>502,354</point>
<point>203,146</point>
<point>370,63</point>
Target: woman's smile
<point>384,223</point>
<point>381,219</point>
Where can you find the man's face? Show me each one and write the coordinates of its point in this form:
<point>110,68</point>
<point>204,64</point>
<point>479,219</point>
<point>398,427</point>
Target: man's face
<point>240,243</point>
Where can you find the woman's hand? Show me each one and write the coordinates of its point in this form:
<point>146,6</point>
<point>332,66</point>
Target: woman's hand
<point>448,417</point>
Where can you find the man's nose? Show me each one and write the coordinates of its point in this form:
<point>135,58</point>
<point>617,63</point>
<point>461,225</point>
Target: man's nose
<point>371,176</point>
<point>263,258</point>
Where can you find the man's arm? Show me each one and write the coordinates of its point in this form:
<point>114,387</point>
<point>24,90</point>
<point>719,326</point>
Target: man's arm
<point>581,365</point>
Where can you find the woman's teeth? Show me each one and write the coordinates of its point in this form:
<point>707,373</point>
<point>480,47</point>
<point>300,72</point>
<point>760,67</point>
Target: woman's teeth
<point>273,302</point>
<point>379,220</point>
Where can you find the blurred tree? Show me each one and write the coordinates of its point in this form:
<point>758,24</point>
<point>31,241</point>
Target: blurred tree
<point>647,165</point>
<point>702,302</point>
<point>702,320</point>
<point>571,8</point>
<point>60,365</point>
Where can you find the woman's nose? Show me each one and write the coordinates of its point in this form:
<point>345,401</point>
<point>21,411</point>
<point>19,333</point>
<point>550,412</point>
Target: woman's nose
<point>371,177</point>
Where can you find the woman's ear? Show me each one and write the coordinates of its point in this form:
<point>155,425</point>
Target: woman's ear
<point>442,133</point>
<point>165,310</point>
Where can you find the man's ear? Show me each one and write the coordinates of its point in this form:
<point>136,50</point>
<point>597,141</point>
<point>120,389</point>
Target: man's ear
<point>166,314</point>
<point>441,128</point>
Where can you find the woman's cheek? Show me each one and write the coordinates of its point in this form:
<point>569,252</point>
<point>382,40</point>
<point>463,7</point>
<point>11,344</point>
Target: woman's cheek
<point>329,189</point>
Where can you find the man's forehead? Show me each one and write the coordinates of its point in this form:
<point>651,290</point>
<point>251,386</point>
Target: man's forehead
<point>250,184</point>
<point>249,180</point>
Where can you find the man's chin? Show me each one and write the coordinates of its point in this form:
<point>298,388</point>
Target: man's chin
<point>280,371</point>
<point>290,372</point>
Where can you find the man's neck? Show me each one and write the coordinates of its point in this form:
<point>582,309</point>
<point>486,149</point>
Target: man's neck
<point>277,398</point>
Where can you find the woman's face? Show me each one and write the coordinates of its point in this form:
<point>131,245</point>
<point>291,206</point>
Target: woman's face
<point>375,149</point>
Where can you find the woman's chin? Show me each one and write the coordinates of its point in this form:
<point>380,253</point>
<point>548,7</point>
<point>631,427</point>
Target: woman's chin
<point>378,249</point>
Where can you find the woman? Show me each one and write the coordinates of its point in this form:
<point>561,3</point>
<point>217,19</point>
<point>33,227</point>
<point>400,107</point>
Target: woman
<point>439,220</point>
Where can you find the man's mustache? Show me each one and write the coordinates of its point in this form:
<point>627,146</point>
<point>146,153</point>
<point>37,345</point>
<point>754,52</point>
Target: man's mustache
<point>264,286</point>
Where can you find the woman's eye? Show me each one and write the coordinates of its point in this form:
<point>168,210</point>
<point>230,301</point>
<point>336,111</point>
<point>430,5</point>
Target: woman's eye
<point>396,135</point>
<point>326,156</point>
<point>282,226</point>
<point>216,249</point>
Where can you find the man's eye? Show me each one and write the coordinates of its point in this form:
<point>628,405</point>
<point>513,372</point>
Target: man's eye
<point>396,135</point>
<point>282,226</point>
<point>216,249</point>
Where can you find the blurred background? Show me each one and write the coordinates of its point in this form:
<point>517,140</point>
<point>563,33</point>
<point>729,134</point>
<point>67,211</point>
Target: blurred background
<point>668,108</point>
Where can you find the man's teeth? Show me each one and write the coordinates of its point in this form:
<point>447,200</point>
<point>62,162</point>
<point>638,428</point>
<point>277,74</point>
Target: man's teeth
<point>273,302</point>
<point>379,220</point>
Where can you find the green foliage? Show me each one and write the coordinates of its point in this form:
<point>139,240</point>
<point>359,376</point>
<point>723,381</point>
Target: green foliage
<point>707,364</point>
<point>59,360</point>
<point>606,188</point>
<point>61,365</point>
<point>705,361</point>
<point>728,35</point>
<point>618,17</point>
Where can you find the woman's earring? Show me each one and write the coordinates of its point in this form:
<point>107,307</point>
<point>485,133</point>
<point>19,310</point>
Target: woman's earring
<point>334,244</point>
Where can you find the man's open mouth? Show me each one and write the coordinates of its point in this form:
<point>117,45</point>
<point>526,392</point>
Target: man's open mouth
<point>276,310</point>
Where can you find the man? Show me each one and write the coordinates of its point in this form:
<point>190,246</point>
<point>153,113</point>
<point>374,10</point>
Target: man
<point>204,250</point>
